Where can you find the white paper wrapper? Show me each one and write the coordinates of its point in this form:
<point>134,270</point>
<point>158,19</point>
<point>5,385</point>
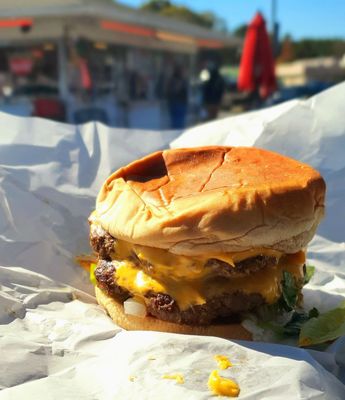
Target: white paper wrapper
<point>55,346</point>
<point>50,174</point>
<point>55,343</point>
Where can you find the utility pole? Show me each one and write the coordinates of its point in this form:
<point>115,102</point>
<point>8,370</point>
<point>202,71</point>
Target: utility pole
<point>274,27</point>
<point>273,15</point>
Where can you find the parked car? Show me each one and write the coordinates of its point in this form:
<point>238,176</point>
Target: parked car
<point>296,92</point>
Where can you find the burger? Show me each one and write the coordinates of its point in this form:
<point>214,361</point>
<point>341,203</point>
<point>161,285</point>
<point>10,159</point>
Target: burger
<point>191,240</point>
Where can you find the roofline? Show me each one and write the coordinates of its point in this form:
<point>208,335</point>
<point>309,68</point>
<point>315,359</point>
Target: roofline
<point>121,13</point>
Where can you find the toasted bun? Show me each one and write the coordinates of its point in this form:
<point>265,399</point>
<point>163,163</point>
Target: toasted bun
<point>212,200</point>
<point>134,323</point>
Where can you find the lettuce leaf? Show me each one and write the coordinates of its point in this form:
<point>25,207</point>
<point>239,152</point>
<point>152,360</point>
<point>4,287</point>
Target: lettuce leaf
<point>282,318</point>
<point>326,327</point>
<point>290,292</point>
<point>290,288</point>
<point>298,319</point>
<point>308,273</point>
<point>311,328</point>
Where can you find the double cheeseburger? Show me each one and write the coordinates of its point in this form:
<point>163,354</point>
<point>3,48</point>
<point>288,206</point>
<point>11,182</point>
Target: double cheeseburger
<point>194,238</point>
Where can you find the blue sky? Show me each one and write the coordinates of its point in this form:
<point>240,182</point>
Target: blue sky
<point>300,18</point>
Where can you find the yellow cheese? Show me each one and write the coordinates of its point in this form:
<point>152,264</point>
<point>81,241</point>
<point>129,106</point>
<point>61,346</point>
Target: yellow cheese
<point>136,281</point>
<point>179,378</point>
<point>232,258</point>
<point>194,291</point>
<point>189,282</point>
<point>223,361</point>
<point>177,266</point>
<point>222,386</point>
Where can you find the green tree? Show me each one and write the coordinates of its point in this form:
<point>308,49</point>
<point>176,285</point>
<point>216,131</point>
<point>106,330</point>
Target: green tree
<point>169,9</point>
<point>310,48</point>
<point>240,31</point>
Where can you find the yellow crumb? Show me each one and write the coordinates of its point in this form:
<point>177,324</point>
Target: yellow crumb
<point>222,386</point>
<point>223,361</point>
<point>178,377</point>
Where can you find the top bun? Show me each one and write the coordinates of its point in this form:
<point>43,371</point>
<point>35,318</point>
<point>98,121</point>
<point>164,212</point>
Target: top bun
<point>213,199</point>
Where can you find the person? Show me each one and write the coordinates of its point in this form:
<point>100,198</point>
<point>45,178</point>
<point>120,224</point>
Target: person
<point>177,95</point>
<point>213,90</point>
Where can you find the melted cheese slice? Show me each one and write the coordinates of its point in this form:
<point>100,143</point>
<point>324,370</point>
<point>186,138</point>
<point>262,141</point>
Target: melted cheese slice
<point>198,284</point>
<point>177,266</point>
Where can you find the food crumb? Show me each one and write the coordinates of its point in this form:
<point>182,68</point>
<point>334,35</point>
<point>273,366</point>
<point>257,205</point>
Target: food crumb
<point>177,377</point>
<point>222,386</point>
<point>132,378</point>
<point>223,361</point>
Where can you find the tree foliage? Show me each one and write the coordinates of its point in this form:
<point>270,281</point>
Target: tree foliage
<point>290,49</point>
<point>240,31</point>
<point>169,9</point>
<point>310,48</point>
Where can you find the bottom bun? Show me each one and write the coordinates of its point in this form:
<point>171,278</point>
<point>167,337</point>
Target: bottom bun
<point>134,323</point>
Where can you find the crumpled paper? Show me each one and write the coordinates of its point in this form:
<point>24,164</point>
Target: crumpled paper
<point>54,345</point>
<point>50,174</point>
<point>57,343</point>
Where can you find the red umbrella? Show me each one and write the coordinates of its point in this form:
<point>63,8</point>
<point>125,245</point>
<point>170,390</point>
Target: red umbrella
<point>257,63</point>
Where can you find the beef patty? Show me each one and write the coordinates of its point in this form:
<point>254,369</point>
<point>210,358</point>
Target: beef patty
<point>103,244</point>
<point>164,307</point>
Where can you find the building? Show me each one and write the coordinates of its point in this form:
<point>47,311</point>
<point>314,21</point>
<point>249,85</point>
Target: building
<point>301,72</point>
<point>98,59</point>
